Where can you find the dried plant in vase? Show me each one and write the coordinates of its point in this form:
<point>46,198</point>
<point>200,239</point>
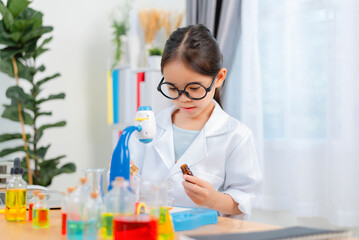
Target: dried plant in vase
<point>171,21</point>
<point>151,22</point>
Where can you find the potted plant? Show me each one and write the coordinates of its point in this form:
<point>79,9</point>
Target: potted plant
<point>120,27</point>
<point>21,29</point>
<point>154,59</point>
<point>120,42</point>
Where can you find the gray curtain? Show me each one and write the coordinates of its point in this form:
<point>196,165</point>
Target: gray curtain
<point>223,19</point>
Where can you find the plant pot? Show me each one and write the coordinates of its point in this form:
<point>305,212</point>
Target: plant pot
<point>154,62</point>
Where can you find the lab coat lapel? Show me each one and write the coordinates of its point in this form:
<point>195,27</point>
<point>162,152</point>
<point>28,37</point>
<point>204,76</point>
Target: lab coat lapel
<point>196,152</point>
<point>217,124</point>
<point>163,145</point>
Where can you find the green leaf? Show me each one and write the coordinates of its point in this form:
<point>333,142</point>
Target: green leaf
<point>20,25</point>
<point>25,176</point>
<point>46,177</point>
<point>58,124</point>
<point>8,151</point>
<point>51,97</point>
<point>39,83</point>
<point>9,52</point>
<point>43,114</point>
<point>23,163</point>
<point>24,72</point>
<point>37,18</point>
<point>36,33</point>
<point>7,16</point>
<point>16,36</point>
<point>6,67</point>
<point>12,136</point>
<point>41,152</point>
<point>40,51</point>
<point>41,129</point>
<point>5,37</point>
<point>17,6</point>
<point>17,93</point>
<point>30,48</point>
<point>41,68</point>
<point>27,14</point>
<point>155,52</point>
<point>46,41</point>
<point>30,107</point>
<point>10,112</point>
<point>51,163</point>
<point>67,168</point>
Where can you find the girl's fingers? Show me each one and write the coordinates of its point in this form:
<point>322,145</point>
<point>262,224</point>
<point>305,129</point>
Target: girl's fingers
<point>199,195</point>
<point>192,187</point>
<point>193,195</point>
<point>195,180</point>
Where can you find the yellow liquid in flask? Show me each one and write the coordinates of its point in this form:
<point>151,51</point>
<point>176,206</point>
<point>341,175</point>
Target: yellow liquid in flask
<point>15,205</point>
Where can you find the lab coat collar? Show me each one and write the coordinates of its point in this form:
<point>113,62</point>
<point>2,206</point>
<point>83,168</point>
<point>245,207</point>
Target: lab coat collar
<point>217,124</point>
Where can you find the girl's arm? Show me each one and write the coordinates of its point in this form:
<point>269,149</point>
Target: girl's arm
<point>241,185</point>
<point>202,193</point>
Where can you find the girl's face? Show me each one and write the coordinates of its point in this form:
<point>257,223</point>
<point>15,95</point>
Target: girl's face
<point>180,75</point>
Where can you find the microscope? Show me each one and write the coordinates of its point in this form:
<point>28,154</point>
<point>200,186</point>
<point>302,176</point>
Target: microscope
<point>146,131</point>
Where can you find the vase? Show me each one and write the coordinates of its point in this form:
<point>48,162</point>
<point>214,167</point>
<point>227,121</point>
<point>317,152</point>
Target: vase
<point>154,62</point>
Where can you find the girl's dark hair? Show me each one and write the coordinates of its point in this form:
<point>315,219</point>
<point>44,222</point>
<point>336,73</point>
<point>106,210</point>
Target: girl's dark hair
<point>196,47</point>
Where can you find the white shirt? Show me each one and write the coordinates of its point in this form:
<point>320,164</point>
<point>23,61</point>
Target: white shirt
<point>222,154</point>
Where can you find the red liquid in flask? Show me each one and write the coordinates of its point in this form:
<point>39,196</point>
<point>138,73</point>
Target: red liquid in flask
<point>64,221</point>
<point>31,205</point>
<point>138,227</point>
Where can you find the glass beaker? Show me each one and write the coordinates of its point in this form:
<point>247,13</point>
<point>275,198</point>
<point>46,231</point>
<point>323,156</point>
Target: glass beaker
<point>95,180</point>
<point>155,195</point>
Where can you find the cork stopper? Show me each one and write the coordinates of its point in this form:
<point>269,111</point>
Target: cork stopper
<point>70,189</point>
<point>94,195</point>
<point>35,192</point>
<point>41,196</point>
<point>119,179</point>
<point>83,180</point>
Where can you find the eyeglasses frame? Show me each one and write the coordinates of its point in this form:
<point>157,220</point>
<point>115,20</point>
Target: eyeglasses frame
<point>184,89</point>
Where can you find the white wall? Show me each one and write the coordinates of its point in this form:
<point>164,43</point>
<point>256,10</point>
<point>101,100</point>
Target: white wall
<point>80,51</point>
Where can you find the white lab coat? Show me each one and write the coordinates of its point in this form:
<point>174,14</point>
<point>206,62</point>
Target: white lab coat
<point>223,154</point>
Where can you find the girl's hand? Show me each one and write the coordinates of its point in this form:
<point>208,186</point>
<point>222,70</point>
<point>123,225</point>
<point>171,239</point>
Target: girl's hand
<point>201,192</point>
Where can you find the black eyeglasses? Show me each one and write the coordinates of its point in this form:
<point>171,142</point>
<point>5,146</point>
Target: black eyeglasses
<point>194,91</point>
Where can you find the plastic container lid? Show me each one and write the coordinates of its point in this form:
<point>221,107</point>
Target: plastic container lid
<point>144,108</point>
<point>193,218</point>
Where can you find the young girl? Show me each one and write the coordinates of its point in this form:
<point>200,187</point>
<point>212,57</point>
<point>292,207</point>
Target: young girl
<point>218,149</point>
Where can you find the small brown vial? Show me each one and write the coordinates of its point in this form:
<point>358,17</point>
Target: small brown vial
<point>185,170</point>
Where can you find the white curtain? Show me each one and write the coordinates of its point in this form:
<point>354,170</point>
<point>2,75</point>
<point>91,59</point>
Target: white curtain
<point>295,83</point>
